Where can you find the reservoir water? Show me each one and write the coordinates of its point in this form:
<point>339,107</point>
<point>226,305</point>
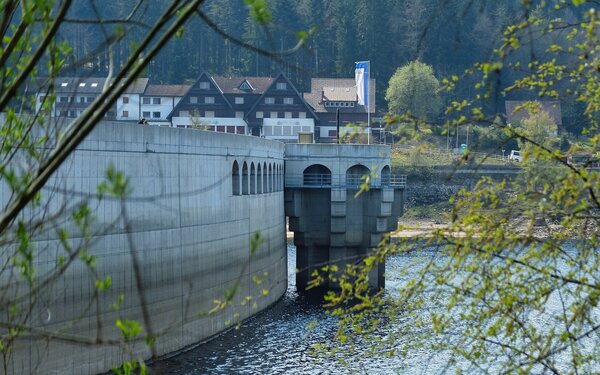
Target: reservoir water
<point>277,341</point>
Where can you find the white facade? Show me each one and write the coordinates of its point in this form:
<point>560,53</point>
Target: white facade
<point>218,124</point>
<point>157,108</point>
<point>331,131</point>
<point>128,107</point>
<point>286,129</point>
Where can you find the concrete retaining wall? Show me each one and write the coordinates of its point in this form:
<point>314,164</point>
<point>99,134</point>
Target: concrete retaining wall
<point>189,232</point>
<point>434,185</point>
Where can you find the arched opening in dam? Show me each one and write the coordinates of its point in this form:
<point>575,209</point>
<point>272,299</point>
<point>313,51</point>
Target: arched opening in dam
<point>252,179</point>
<point>356,174</point>
<point>245,179</point>
<point>235,178</point>
<point>317,175</point>
<point>386,176</point>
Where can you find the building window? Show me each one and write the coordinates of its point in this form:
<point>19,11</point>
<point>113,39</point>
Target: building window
<point>63,99</point>
<point>288,115</point>
<point>184,113</point>
<point>209,113</point>
<point>125,100</point>
<point>82,84</point>
<point>288,100</point>
<point>155,114</point>
<point>89,99</point>
<point>145,100</point>
<point>155,100</point>
<point>64,84</point>
<point>259,114</point>
<point>146,114</point>
<point>209,99</point>
<point>281,86</point>
<point>42,98</point>
<point>72,114</point>
<point>82,99</point>
<point>95,84</point>
<point>269,100</point>
<point>125,113</point>
<point>193,100</point>
<point>301,114</point>
<point>204,85</point>
<point>239,100</point>
<point>239,114</point>
<point>273,114</point>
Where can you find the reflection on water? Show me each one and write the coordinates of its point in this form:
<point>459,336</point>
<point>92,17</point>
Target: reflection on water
<point>276,342</point>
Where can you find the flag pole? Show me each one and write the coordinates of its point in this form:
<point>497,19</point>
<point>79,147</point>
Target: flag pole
<point>369,103</point>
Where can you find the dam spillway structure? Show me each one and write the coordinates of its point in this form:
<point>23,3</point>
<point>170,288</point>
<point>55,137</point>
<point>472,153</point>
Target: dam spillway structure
<point>332,224</point>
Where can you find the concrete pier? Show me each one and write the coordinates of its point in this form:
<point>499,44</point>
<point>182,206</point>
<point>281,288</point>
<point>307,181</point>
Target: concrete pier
<point>331,223</point>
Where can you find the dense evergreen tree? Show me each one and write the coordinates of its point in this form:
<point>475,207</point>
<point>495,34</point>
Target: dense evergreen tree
<point>389,33</point>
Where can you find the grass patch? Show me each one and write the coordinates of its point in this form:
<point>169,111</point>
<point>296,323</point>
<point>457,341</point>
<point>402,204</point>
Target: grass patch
<point>419,157</point>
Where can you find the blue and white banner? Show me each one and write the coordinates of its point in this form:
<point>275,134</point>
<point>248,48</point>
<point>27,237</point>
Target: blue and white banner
<point>362,82</point>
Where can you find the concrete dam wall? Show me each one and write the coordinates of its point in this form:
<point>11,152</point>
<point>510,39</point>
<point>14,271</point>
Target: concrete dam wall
<point>196,200</point>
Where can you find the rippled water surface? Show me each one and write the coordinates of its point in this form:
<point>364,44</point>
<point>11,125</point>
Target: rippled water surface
<point>276,342</point>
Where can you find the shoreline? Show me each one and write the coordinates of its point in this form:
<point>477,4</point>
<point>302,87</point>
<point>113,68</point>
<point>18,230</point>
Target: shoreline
<point>424,228</point>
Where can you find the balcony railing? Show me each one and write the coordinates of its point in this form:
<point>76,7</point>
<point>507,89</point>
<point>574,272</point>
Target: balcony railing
<point>316,179</point>
<point>325,180</point>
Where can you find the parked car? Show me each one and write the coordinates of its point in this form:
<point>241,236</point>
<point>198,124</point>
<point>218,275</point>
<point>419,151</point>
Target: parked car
<point>515,156</point>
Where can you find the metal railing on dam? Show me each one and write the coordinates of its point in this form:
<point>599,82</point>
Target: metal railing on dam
<point>325,180</point>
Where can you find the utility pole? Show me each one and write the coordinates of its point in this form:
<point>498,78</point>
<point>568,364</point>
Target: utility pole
<point>456,135</point>
<point>338,126</point>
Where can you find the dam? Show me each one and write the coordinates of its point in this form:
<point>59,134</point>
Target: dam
<point>198,245</point>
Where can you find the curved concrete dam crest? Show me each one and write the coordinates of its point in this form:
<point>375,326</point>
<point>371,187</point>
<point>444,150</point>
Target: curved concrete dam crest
<point>188,224</point>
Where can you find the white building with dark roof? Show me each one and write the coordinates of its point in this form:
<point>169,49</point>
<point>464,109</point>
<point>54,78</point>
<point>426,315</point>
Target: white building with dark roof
<point>261,106</point>
<point>128,104</point>
<point>158,101</point>
<point>327,95</point>
<point>75,94</point>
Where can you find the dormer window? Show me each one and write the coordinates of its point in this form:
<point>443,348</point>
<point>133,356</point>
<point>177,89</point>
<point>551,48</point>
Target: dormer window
<point>281,86</point>
<point>94,84</point>
<point>82,84</point>
<point>64,84</point>
<point>245,86</point>
<point>339,104</point>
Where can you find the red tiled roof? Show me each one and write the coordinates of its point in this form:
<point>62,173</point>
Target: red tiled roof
<point>515,116</point>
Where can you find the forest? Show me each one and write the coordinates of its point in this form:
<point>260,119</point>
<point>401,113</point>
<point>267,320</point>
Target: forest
<point>322,38</point>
